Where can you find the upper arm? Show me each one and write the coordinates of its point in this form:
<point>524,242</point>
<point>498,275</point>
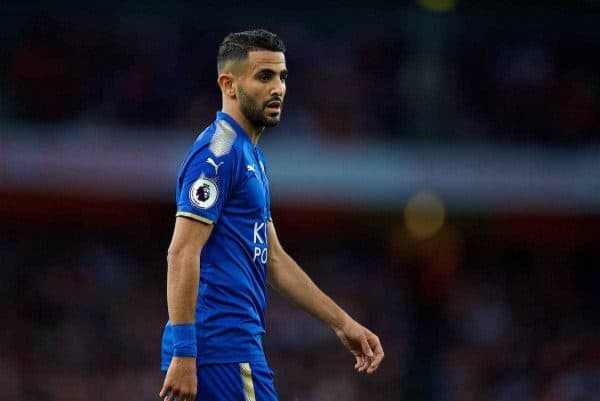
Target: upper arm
<point>189,236</point>
<point>276,253</point>
<point>275,248</point>
<point>205,183</point>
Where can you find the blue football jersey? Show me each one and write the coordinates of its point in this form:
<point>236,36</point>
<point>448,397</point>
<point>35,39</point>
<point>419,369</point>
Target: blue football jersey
<point>223,181</point>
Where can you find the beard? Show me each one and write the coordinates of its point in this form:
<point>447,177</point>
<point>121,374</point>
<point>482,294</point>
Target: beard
<point>254,112</point>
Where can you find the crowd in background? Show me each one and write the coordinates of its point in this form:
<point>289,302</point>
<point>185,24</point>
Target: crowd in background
<point>459,77</point>
<point>463,316</point>
<point>465,322</point>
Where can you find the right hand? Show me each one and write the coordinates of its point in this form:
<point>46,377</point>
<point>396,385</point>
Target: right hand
<point>181,380</point>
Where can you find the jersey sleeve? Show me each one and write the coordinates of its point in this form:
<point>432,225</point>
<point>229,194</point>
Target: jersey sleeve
<point>205,184</point>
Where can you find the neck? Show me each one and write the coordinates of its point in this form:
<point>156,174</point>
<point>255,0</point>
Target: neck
<point>252,131</point>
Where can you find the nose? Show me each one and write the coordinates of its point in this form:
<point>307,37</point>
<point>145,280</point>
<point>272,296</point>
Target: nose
<point>278,88</point>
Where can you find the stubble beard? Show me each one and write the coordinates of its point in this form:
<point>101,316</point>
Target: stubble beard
<point>254,113</point>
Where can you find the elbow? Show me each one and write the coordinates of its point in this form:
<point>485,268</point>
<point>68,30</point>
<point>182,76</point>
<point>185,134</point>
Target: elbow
<point>273,261</point>
<point>180,255</point>
<point>173,254</point>
<point>275,266</point>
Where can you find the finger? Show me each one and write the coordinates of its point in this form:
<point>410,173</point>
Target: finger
<point>363,360</point>
<point>372,369</point>
<point>364,368</point>
<point>364,363</point>
<point>366,348</point>
<point>164,390</point>
<point>374,365</point>
<point>171,396</point>
<point>378,351</point>
<point>186,396</point>
<point>376,360</point>
<point>358,361</point>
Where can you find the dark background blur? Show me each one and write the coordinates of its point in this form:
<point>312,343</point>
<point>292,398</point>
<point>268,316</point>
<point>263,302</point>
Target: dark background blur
<point>437,172</point>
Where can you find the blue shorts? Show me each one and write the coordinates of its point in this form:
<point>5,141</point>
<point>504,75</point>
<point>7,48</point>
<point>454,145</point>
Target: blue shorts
<point>236,382</point>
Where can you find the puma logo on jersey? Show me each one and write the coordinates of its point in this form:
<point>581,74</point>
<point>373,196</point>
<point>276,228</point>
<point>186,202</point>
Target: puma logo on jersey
<point>215,165</point>
<point>250,167</point>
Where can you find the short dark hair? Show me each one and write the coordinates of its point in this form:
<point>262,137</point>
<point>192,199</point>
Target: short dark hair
<point>236,46</point>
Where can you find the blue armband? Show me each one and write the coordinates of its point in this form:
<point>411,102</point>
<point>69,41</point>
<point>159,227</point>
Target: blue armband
<point>184,340</point>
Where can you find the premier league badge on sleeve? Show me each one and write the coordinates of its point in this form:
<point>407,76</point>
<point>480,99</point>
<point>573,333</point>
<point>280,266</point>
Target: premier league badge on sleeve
<point>204,193</point>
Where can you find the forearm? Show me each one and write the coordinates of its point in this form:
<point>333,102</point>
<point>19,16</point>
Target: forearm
<point>287,278</point>
<point>183,276</point>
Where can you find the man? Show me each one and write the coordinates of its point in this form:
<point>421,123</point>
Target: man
<point>225,248</point>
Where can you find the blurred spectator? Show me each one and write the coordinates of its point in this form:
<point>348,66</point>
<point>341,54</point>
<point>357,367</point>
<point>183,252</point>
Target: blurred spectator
<point>513,85</point>
<point>88,312</point>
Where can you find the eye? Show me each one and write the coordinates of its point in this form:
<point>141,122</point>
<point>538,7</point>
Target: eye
<point>264,77</point>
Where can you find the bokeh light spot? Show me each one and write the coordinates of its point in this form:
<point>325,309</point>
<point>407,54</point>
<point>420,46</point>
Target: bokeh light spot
<point>438,6</point>
<point>424,215</point>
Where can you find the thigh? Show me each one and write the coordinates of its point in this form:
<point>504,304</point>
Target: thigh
<point>236,382</point>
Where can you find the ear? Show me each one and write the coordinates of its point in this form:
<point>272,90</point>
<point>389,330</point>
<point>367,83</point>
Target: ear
<point>226,82</point>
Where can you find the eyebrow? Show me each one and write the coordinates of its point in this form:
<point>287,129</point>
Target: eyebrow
<point>272,71</point>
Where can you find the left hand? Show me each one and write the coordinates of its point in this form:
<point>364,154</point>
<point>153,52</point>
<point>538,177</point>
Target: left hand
<point>363,344</point>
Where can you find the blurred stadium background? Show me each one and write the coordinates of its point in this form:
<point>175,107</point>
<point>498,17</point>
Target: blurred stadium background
<point>437,171</point>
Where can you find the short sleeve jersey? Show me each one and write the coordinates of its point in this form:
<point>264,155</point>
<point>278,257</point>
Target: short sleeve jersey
<point>223,181</point>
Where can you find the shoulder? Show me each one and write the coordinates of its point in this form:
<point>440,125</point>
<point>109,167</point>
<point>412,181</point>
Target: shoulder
<point>219,141</point>
<point>223,140</point>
